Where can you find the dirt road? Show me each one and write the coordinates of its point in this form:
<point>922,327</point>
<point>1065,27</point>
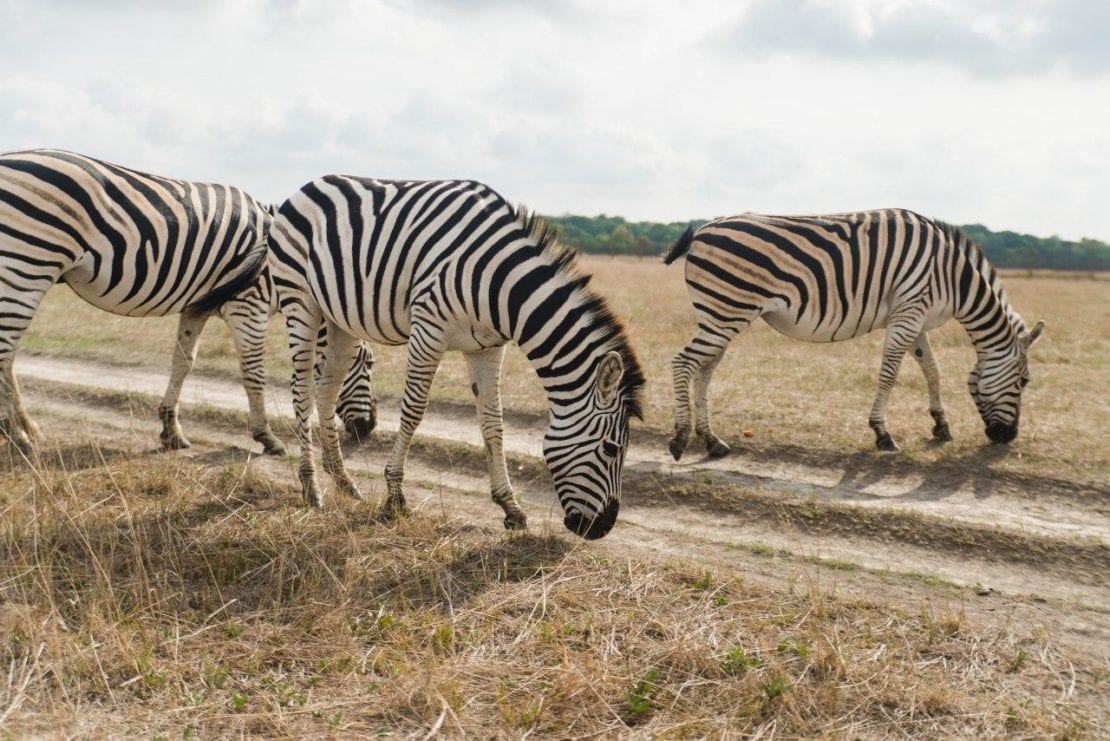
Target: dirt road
<point>959,522</point>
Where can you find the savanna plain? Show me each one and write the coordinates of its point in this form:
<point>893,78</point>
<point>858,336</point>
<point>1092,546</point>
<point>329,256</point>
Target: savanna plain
<point>805,585</point>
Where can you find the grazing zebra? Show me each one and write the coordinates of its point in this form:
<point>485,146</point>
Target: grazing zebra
<point>450,265</point>
<point>832,278</point>
<point>126,242</point>
<point>247,316</point>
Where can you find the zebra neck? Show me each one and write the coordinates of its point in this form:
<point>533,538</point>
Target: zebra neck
<point>561,331</point>
<point>986,315</point>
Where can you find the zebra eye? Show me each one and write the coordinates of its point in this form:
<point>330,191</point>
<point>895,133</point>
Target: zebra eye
<point>610,448</point>
<point>1024,382</point>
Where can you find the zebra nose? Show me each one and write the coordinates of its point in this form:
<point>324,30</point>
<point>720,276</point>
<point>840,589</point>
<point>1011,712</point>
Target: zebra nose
<point>360,427</point>
<point>592,528</point>
<point>1001,433</point>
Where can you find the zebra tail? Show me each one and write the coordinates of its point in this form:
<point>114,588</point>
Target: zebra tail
<point>248,268</point>
<point>680,247</point>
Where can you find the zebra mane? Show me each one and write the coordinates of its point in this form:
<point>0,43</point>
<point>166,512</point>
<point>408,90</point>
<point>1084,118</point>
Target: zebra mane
<point>973,251</point>
<point>565,260</point>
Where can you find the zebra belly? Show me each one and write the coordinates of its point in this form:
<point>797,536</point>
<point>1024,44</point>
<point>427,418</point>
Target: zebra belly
<point>92,288</point>
<point>809,330</point>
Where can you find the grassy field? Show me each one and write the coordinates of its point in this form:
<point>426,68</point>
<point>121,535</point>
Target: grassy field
<point>168,597</point>
<point>787,393</point>
<point>191,596</point>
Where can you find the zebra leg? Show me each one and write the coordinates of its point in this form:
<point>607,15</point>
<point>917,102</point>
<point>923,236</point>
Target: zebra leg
<point>341,352</point>
<point>17,308</point>
<point>901,332</point>
<point>302,324</point>
<point>189,328</point>
<point>248,318</point>
<point>716,447</point>
<point>923,354</point>
<point>696,362</point>
<point>485,381</point>
<point>425,350</point>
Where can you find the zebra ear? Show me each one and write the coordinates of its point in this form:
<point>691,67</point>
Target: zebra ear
<point>609,372</point>
<point>1031,337</point>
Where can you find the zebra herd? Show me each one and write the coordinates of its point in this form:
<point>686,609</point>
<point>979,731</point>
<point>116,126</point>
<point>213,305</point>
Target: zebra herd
<point>451,265</point>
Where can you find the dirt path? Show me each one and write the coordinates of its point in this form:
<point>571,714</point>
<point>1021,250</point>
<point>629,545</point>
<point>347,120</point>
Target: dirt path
<point>968,491</point>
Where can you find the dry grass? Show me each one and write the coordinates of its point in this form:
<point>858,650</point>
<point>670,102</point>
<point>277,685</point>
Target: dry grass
<point>158,596</point>
<point>785,392</point>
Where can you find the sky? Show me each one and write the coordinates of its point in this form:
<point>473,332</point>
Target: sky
<point>973,111</point>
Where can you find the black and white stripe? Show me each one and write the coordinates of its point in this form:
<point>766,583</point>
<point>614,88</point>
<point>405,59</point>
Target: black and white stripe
<point>127,242</point>
<point>248,316</point>
<point>831,278</point>
<point>450,265</point>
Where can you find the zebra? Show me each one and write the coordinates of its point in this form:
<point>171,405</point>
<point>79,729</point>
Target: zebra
<point>835,277</point>
<point>247,316</point>
<point>133,244</point>
<point>445,265</point>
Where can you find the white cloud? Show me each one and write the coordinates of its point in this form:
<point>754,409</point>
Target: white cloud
<point>643,109</point>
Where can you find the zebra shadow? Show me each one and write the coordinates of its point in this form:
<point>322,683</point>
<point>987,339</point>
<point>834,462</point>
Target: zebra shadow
<point>938,480</point>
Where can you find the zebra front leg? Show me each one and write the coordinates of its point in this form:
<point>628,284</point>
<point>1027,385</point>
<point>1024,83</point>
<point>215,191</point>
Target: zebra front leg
<point>902,331</point>
<point>302,325</point>
<point>425,349</point>
<point>341,352</point>
<point>248,318</point>
<point>923,354</point>
<point>189,328</point>
<point>484,367</point>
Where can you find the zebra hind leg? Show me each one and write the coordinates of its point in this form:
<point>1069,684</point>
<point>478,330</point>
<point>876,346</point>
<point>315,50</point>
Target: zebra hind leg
<point>15,426</point>
<point>18,305</point>
<point>248,318</point>
<point>695,363</point>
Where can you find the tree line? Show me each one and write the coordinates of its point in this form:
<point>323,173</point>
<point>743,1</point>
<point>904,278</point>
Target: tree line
<point>613,235</point>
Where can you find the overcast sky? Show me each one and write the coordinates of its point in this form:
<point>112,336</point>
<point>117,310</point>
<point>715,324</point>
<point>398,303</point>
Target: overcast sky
<point>991,111</point>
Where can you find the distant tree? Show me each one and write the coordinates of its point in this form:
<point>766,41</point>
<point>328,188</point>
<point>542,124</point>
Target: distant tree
<point>1005,249</point>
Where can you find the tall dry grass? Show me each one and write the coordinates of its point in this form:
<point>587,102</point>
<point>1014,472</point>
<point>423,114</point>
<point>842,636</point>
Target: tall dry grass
<point>158,596</point>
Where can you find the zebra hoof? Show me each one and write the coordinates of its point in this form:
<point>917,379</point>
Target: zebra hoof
<point>676,447</point>
<point>175,442</point>
<point>516,521</point>
<point>941,433</point>
<point>271,445</point>
<point>886,443</point>
<point>314,499</point>
<point>718,449</point>
<point>21,442</point>
<point>391,511</point>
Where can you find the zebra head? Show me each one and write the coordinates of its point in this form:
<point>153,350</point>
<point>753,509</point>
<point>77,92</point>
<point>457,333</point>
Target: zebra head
<point>996,384</point>
<point>357,406</point>
<point>585,448</point>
